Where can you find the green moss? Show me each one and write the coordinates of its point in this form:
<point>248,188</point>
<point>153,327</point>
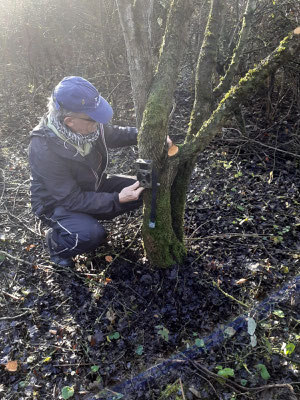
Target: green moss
<point>162,247</point>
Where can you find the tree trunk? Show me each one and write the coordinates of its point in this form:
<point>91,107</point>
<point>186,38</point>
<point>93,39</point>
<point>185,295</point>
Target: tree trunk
<point>162,245</point>
<point>134,17</point>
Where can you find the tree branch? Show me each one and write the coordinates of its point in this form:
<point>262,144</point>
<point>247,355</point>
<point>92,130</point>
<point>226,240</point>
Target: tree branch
<point>239,94</point>
<point>205,68</point>
<point>227,79</point>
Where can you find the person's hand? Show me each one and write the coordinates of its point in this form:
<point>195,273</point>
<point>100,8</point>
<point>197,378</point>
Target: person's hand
<point>169,142</point>
<point>130,193</point>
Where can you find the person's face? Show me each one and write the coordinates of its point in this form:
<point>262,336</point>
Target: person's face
<point>81,123</point>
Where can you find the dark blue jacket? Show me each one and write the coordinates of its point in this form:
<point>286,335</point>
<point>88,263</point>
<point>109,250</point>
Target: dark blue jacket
<point>60,176</point>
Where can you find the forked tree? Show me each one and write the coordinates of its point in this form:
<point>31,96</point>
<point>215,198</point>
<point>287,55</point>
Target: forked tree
<point>153,80</point>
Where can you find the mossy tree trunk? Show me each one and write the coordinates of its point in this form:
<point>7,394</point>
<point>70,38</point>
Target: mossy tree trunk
<point>164,244</point>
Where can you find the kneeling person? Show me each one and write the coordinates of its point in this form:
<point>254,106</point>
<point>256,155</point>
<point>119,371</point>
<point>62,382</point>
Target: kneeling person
<point>70,191</point>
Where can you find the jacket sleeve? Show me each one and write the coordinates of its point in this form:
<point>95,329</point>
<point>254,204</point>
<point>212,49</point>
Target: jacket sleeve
<point>53,185</point>
<point>120,136</point>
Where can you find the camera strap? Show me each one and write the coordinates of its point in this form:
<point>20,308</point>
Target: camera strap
<point>153,199</point>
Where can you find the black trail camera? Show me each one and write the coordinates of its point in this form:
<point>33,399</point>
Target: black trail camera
<point>144,172</point>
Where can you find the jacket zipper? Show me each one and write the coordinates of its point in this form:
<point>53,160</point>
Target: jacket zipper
<point>98,179</point>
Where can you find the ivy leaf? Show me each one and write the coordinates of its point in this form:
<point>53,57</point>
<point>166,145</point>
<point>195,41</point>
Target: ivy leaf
<point>67,392</point>
<point>226,372</point>
<point>139,350</point>
<point>253,340</point>
<point>251,326</point>
<point>95,368</point>
<point>263,371</point>
<point>230,331</point>
<point>163,332</point>
<point>279,313</point>
<point>199,342</point>
<point>289,348</point>
<point>115,335</point>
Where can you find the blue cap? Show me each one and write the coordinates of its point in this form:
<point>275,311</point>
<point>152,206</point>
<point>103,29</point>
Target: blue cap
<point>78,95</point>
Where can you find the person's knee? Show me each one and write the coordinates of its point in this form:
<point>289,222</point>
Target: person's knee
<point>97,235</point>
<point>87,238</point>
<point>91,237</point>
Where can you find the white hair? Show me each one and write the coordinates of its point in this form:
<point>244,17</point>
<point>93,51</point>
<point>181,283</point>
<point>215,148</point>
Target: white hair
<point>57,114</point>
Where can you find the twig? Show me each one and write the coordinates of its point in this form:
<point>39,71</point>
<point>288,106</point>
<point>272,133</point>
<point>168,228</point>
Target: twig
<point>181,387</point>
<point>258,142</point>
<point>3,190</point>
<point>15,258</point>
<point>22,223</point>
<point>228,236</point>
<point>11,295</point>
<point>229,295</point>
<point>14,317</point>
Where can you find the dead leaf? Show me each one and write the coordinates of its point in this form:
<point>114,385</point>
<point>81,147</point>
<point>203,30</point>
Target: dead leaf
<point>108,258</point>
<point>195,392</point>
<point>110,315</point>
<point>29,247</point>
<point>11,366</point>
<point>107,280</point>
<point>172,150</point>
<point>241,281</point>
<point>297,31</point>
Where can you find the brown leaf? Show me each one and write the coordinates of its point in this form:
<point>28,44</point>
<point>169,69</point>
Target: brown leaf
<point>241,281</point>
<point>12,366</point>
<point>297,31</point>
<point>29,247</point>
<point>108,258</point>
<point>107,280</point>
<point>172,150</point>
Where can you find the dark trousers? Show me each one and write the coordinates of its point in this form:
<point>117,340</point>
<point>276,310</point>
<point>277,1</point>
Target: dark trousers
<point>76,233</point>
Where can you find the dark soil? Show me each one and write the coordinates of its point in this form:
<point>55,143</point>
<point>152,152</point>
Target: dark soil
<point>114,315</point>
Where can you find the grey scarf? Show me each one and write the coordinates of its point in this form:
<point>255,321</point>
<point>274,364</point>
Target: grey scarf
<point>75,138</point>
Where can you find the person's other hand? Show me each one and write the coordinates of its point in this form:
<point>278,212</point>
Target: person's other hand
<point>130,193</point>
<point>169,142</point>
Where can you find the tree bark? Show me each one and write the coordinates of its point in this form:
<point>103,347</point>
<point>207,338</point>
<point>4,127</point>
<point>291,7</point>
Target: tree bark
<point>134,18</point>
<point>205,68</point>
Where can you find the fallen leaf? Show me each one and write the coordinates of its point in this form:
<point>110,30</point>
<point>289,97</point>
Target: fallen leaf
<point>172,150</point>
<point>241,281</point>
<point>297,31</point>
<point>110,315</point>
<point>108,258</point>
<point>12,366</point>
<point>29,247</point>
<point>195,392</point>
<point>107,280</point>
